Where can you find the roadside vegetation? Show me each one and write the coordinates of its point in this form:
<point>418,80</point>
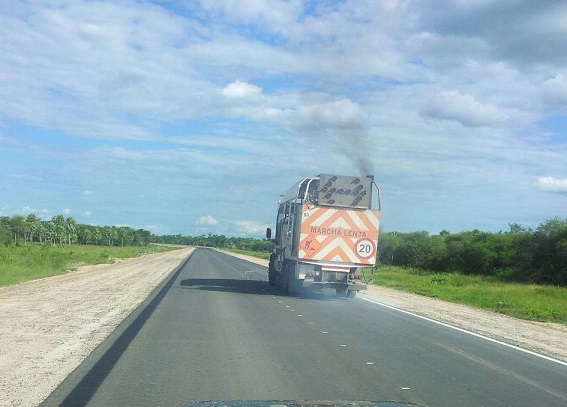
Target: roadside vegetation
<point>518,255</point>
<point>545,303</point>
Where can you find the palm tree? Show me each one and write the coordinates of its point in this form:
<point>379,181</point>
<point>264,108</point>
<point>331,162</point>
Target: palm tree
<point>71,228</point>
<point>18,227</point>
<point>42,231</point>
<point>111,235</point>
<point>33,223</point>
<point>84,234</point>
<point>57,229</point>
<point>97,235</point>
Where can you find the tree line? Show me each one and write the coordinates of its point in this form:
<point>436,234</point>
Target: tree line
<point>522,255</point>
<point>60,230</point>
<point>219,241</point>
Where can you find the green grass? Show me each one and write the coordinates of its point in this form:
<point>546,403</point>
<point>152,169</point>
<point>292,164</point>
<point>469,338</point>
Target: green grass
<point>23,263</point>
<point>525,301</point>
<point>260,255</point>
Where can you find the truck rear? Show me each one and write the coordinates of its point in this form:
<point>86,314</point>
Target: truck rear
<point>326,229</point>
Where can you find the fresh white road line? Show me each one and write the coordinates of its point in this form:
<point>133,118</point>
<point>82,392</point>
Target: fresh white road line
<point>469,332</point>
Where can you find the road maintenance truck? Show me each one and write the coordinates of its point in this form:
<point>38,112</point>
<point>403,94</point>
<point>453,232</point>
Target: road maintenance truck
<point>326,230</point>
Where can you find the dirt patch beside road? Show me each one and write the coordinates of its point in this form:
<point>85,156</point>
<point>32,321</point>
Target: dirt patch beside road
<point>49,326</point>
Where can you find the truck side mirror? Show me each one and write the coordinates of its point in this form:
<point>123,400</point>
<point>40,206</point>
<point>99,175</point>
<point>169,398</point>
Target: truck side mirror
<point>268,233</point>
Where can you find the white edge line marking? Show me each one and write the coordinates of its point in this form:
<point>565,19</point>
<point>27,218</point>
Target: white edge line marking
<point>469,332</point>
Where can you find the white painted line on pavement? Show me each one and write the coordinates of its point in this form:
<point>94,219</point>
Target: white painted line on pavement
<point>469,332</point>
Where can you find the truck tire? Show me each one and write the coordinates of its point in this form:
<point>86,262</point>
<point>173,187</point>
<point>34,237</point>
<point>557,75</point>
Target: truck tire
<point>351,293</point>
<point>294,286</point>
<point>341,292</point>
<point>285,277</point>
<point>272,276</point>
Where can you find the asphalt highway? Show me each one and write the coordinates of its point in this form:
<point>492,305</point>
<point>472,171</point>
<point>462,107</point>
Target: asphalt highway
<point>215,330</point>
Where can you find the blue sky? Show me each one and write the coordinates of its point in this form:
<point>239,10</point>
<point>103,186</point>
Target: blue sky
<point>193,117</point>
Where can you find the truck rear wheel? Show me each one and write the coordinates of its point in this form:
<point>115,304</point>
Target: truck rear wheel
<point>285,277</point>
<point>294,286</point>
<point>341,292</point>
<point>351,294</point>
<point>272,276</point>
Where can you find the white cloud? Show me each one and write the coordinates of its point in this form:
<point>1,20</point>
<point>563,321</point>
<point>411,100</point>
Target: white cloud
<point>87,214</point>
<point>551,184</point>
<point>206,220</point>
<point>250,228</point>
<point>465,109</point>
<point>87,192</point>
<point>239,89</point>
<point>66,211</point>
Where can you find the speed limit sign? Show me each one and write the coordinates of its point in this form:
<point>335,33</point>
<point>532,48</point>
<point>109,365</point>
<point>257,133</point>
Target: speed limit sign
<point>365,248</point>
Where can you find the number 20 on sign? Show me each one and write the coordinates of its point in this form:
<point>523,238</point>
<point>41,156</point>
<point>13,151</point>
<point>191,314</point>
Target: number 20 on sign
<point>365,248</point>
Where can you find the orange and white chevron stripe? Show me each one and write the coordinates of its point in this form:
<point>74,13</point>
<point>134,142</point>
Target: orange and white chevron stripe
<point>339,235</point>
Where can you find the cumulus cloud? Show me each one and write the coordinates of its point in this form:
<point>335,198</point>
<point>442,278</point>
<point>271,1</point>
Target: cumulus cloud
<point>239,89</point>
<point>551,184</point>
<point>87,192</point>
<point>66,211</point>
<point>465,109</point>
<point>206,220</point>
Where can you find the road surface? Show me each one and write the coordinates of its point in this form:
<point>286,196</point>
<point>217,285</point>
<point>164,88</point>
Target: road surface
<point>215,330</point>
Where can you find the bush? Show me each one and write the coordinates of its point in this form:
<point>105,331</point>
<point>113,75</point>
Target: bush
<point>520,255</point>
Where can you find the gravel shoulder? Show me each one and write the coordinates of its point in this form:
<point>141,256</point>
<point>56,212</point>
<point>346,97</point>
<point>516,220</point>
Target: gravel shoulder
<point>49,326</point>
